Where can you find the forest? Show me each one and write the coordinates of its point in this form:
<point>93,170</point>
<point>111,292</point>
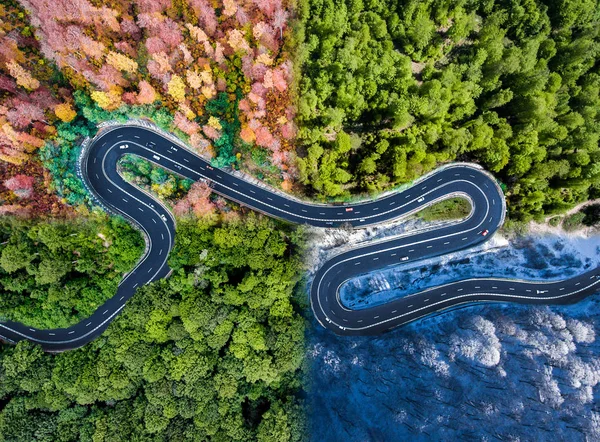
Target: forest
<point>55,274</point>
<point>390,89</point>
<point>212,353</point>
<point>327,99</point>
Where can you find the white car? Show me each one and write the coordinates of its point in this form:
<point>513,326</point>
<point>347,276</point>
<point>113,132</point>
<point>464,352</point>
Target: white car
<point>404,258</point>
<point>420,200</point>
<point>156,157</point>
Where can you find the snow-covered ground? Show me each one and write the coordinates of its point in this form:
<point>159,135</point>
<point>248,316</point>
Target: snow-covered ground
<point>485,372</point>
<point>540,257</point>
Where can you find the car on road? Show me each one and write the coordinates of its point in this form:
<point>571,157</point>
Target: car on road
<point>485,232</point>
<point>404,258</point>
<point>123,146</point>
<point>164,218</point>
<point>329,223</point>
<point>156,157</point>
<point>349,209</point>
<point>210,167</point>
<point>420,200</point>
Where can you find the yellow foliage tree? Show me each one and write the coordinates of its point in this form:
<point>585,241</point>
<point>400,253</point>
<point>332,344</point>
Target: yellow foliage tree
<point>176,88</point>
<point>65,112</point>
<point>121,62</point>
<point>108,100</point>
<point>214,122</point>
<point>23,77</point>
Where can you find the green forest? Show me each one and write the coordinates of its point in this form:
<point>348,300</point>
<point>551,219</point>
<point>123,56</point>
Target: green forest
<point>212,353</point>
<point>54,274</point>
<point>389,89</point>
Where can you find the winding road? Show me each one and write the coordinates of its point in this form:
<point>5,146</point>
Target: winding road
<point>99,172</point>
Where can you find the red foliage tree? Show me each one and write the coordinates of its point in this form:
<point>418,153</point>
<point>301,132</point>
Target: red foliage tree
<point>21,185</point>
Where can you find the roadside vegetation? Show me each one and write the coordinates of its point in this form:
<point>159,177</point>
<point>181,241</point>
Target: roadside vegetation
<point>54,274</point>
<point>212,353</point>
<point>449,209</point>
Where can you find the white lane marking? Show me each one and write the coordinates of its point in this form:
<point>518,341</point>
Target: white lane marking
<point>439,180</point>
<point>97,177</point>
<point>447,242</point>
<point>109,191</point>
<point>304,210</point>
<point>186,160</point>
<point>286,205</point>
<point>393,254</point>
<point>135,286</point>
<point>426,300</point>
<point>510,288</point>
<point>105,312</point>
<point>357,263</point>
<point>392,203</point>
<point>429,247</point>
<point>410,306</point>
<point>394,311</point>
<point>443,294</point>
<point>411,250</point>
<point>578,283</point>
<point>160,253</point>
<point>135,136</point>
<point>465,238</point>
<point>95,160</point>
<point>31,329</point>
<point>561,289</point>
<point>269,198</point>
<point>88,324</point>
<point>125,200</point>
<point>71,332</point>
<point>527,290</point>
<point>375,259</point>
<point>162,236</point>
<point>252,191</point>
<point>121,298</point>
<point>460,290</point>
<point>236,184</point>
<point>150,270</point>
<point>154,220</point>
<point>140,209</point>
<point>52,334</point>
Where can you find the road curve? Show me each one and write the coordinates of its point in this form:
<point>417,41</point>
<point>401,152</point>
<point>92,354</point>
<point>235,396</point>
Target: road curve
<point>99,172</point>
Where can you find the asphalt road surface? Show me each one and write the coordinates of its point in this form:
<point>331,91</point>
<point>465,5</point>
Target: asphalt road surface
<point>99,171</point>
